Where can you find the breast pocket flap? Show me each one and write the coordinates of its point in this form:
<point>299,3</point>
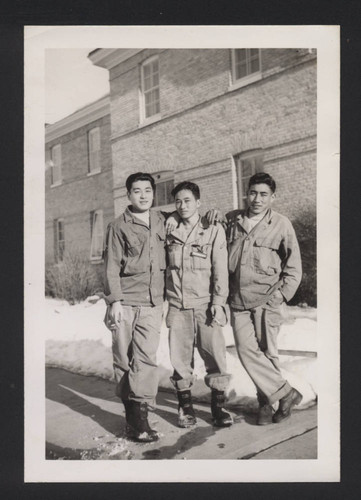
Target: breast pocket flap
<point>272,243</point>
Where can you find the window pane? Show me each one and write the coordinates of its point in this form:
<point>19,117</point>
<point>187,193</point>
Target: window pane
<point>149,110</point>
<point>151,88</point>
<point>60,230</point>
<point>146,71</point>
<point>94,161</point>
<point>246,62</point>
<point>97,242</point>
<point>155,66</point>
<point>147,83</point>
<point>152,106</point>
<point>245,181</point>
<point>56,166</point>
<point>241,71</point>
<point>61,250</point>
<point>240,55</point>
<point>94,140</point>
<point>155,79</point>
<point>254,65</point>
<point>60,243</point>
<point>162,193</point>
<point>169,188</point>
<point>247,168</point>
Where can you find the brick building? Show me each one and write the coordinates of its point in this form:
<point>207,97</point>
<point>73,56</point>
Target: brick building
<point>214,116</point>
<point>78,182</point>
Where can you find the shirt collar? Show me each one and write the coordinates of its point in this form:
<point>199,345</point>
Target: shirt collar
<point>267,218</point>
<point>180,233</point>
<point>129,216</point>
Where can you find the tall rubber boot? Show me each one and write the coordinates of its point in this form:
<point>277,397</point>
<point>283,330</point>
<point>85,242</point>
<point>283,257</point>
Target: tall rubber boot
<point>221,417</point>
<point>138,427</point>
<point>186,415</point>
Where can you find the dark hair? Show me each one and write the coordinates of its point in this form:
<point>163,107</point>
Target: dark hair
<point>190,186</point>
<point>139,176</point>
<point>262,178</point>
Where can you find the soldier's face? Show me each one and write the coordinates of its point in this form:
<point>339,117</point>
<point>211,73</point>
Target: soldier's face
<point>141,196</point>
<point>186,204</point>
<point>259,198</point>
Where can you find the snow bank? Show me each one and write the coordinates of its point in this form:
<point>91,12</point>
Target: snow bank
<point>77,340</point>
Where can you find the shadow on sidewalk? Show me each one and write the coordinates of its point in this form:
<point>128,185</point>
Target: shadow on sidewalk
<point>68,389</point>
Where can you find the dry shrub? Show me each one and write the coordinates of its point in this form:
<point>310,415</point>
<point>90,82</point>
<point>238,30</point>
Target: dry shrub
<point>73,279</point>
<point>305,227</point>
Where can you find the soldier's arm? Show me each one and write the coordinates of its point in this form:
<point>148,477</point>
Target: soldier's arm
<point>113,255</point>
<point>291,264</point>
<point>219,268</point>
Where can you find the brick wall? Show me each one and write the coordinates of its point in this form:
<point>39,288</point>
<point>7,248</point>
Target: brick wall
<point>204,124</point>
<point>80,193</point>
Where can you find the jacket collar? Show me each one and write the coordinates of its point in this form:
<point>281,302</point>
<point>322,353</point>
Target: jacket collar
<point>267,218</point>
<point>129,216</point>
<point>197,231</point>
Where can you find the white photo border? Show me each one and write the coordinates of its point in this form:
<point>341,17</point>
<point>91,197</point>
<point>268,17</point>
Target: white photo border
<point>326,39</point>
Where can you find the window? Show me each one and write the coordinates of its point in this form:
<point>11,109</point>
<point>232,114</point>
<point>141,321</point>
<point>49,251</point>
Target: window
<point>246,65</point>
<point>94,150</point>
<point>247,164</point>
<point>59,239</point>
<point>163,193</point>
<point>55,154</point>
<point>150,88</point>
<point>164,185</point>
<point>97,235</point>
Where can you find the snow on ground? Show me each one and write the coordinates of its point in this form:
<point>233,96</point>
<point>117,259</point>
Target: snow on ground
<point>77,340</point>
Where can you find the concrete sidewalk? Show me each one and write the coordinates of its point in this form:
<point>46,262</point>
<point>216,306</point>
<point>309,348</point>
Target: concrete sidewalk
<point>85,421</point>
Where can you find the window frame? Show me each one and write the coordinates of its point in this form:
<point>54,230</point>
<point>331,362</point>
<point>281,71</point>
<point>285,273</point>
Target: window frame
<point>94,235</point>
<point>256,156</point>
<point>92,132</point>
<point>56,165</point>
<point>248,79</point>
<point>144,120</point>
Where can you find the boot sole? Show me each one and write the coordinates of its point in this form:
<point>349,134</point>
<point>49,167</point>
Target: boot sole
<point>265,423</point>
<point>144,437</point>
<point>222,424</point>
<point>186,425</point>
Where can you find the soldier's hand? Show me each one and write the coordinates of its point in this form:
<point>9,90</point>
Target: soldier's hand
<point>172,222</point>
<point>215,215</point>
<point>218,315</point>
<point>116,313</point>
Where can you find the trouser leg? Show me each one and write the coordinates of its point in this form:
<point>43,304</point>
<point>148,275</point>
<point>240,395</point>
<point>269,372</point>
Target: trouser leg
<point>267,323</point>
<point>123,351</point>
<point>143,376</point>
<point>181,346</point>
<point>266,377</point>
<point>212,349</point>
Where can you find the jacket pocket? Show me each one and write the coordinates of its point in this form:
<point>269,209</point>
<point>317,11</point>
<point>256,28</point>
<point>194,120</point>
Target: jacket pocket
<point>134,246</point>
<point>200,255</point>
<point>265,257</point>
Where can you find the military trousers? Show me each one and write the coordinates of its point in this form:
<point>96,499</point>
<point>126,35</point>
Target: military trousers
<point>190,328</point>
<point>134,345</point>
<point>255,333</point>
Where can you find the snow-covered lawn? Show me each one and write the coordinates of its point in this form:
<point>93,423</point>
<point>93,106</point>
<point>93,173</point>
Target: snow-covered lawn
<point>78,341</point>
